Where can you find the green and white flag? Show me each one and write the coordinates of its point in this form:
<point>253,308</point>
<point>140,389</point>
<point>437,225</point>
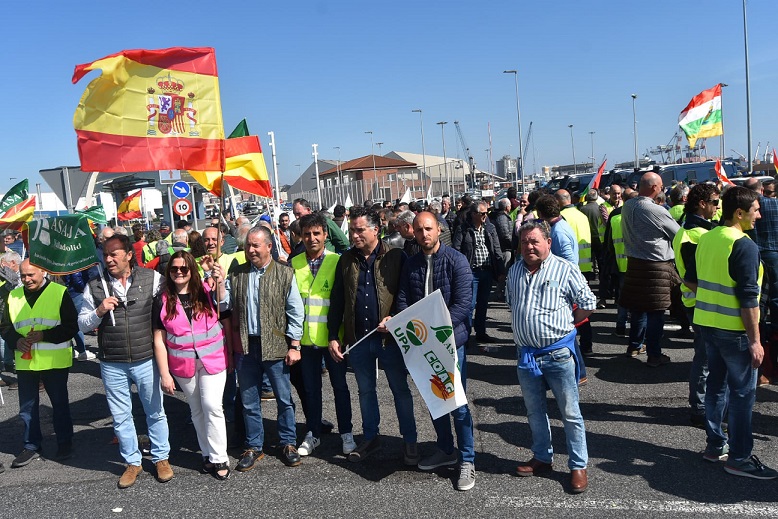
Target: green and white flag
<point>62,244</point>
<point>96,213</point>
<point>424,333</point>
<point>17,194</point>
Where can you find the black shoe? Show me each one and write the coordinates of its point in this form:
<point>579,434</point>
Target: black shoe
<point>249,458</point>
<point>365,449</point>
<point>64,451</point>
<point>326,426</point>
<point>485,338</point>
<point>698,421</point>
<point>290,456</point>
<point>587,351</point>
<point>24,458</point>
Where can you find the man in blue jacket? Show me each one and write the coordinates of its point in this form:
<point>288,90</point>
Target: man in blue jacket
<point>438,267</point>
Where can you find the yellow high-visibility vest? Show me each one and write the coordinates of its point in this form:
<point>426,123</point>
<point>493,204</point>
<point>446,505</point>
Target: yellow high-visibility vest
<point>617,235</point>
<point>583,234</point>
<point>315,292</point>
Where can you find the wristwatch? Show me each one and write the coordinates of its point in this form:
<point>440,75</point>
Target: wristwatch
<point>296,348</point>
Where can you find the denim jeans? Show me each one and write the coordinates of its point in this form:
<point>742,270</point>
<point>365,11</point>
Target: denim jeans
<point>250,370</point>
<point>117,379</point>
<point>463,422</point>
<point>729,366</point>
<point>56,383</point>
<point>363,361</point>
<point>311,364</point>
<point>8,360</point>
<point>558,368</point>
<point>482,287</point>
<point>699,372</point>
<point>648,326</point>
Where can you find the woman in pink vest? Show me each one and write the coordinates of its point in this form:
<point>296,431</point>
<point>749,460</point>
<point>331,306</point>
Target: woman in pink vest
<point>189,345</point>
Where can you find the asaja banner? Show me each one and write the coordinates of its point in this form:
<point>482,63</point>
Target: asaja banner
<point>63,244</point>
<point>424,333</point>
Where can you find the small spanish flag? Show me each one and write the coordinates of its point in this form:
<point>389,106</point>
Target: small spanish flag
<point>16,216</point>
<point>129,209</point>
<point>151,110</point>
<point>245,168</point>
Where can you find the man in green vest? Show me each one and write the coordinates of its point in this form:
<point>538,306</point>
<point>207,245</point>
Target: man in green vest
<point>315,275</point>
<point>39,322</point>
<point>727,281</point>
<point>702,202</point>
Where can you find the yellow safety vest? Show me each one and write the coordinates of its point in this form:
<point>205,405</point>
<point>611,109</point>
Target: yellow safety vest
<point>608,207</point>
<point>315,292</point>
<point>617,235</point>
<point>44,315</point>
<point>677,211</point>
<point>681,237</point>
<point>717,305</point>
<point>149,251</point>
<point>583,234</point>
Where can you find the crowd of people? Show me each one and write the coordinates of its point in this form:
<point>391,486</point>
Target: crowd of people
<point>241,312</point>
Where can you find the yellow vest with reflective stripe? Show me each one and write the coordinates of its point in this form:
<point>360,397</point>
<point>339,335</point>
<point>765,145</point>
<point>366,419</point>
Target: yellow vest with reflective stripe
<point>608,207</point>
<point>44,315</point>
<point>583,233</point>
<point>681,237</point>
<point>617,235</point>
<point>677,211</point>
<point>315,292</point>
<point>717,305</point>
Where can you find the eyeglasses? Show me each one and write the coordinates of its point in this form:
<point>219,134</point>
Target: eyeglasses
<point>183,270</point>
<point>714,202</point>
<point>482,214</point>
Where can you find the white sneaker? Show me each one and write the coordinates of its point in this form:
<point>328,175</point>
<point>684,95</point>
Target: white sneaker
<point>86,355</point>
<point>308,445</point>
<point>348,443</point>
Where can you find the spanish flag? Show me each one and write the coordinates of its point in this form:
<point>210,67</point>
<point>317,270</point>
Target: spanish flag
<point>15,217</point>
<point>245,168</point>
<point>151,110</point>
<point>130,207</point>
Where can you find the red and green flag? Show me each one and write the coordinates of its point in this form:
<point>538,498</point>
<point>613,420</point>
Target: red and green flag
<point>595,182</point>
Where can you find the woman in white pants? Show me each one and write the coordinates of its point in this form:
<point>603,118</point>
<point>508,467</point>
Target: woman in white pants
<point>189,345</point>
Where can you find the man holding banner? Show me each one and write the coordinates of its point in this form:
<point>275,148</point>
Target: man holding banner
<point>542,289</point>
<point>437,267</point>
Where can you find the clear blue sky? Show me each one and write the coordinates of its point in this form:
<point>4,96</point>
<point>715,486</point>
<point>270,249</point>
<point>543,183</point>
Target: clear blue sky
<point>326,72</point>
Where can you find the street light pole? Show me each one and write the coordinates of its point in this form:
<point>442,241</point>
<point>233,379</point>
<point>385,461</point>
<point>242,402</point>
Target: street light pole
<point>635,131</point>
<point>519,163</point>
<point>375,175</point>
<point>445,162</point>
<point>748,87</point>
<point>572,143</point>
<point>591,134</point>
<point>422,179</point>
<point>316,164</point>
<point>339,172</point>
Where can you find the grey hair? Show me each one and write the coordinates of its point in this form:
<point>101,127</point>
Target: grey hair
<point>11,256</point>
<point>267,235</point>
<point>120,230</point>
<point>592,195</point>
<point>435,206</point>
<point>405,217</point>
<point>540,225</point>
<point>503,204</point>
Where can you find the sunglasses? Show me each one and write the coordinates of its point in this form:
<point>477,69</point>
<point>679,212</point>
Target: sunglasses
<point>183,270</point>
<point>713,202</point>
<point>481,214</point>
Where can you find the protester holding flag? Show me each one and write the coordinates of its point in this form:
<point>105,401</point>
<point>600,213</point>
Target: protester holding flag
<point>542,290</point>
<point>189,345</point>
<point>362,299</point>
<point>119,305</point>
<point>438,267</point>
<point>39,321</point>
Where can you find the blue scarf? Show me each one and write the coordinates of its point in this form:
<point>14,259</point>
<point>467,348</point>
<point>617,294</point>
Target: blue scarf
<point>527,354</point>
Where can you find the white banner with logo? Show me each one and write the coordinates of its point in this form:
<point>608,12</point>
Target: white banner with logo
<point>425,336</point>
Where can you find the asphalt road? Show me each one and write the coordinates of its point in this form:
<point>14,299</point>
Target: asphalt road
<point>645,459</point>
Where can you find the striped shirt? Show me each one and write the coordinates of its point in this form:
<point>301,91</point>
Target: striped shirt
<point>542,303</point>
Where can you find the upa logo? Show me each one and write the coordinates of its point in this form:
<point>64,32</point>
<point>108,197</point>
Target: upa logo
<point>415,333</point>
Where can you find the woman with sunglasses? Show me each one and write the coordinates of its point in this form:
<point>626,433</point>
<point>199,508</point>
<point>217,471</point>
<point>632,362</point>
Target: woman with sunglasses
<point>189,345</point>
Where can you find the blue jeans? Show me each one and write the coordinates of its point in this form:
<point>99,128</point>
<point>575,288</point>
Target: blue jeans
<point>8,360</point>
<point>729,365</point>
<point>313,357</point>
<point>558,368</point>
<point>482,287</point>
<point>648,326</point>
<point>56,383</point>
<point>363,360</point>
<point>699,372</point>
<point>463,422</point>
<point>250,370</point>
<point>117,379</point>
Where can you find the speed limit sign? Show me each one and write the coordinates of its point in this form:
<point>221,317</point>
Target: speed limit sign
<point>182,207</point>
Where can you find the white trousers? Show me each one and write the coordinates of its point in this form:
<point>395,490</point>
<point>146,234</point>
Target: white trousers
<point>204,393</point>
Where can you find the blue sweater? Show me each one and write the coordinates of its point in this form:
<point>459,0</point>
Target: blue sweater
<point>451,274</point>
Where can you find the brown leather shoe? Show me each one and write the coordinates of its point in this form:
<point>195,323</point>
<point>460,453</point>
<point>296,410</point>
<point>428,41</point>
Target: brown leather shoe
<point>130,475</point>
<point>164,472</point>
<point>762,381</point>
<point>578,481</point>
<point>533,467</point>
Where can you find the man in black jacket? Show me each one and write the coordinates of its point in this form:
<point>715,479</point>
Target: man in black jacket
<point>477,239</point>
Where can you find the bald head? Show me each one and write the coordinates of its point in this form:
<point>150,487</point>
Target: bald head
<point>563,196</point>
<point>650,185</point>
<point>754,184</point>
<point>32,277</point>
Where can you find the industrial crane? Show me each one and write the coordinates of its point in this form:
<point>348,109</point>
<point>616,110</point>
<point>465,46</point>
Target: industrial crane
<point>466,149</point>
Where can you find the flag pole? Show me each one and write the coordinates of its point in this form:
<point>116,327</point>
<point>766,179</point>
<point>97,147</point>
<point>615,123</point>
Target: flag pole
<point>219,239</point>
<point>105,289</point>
<point>360,340</point>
